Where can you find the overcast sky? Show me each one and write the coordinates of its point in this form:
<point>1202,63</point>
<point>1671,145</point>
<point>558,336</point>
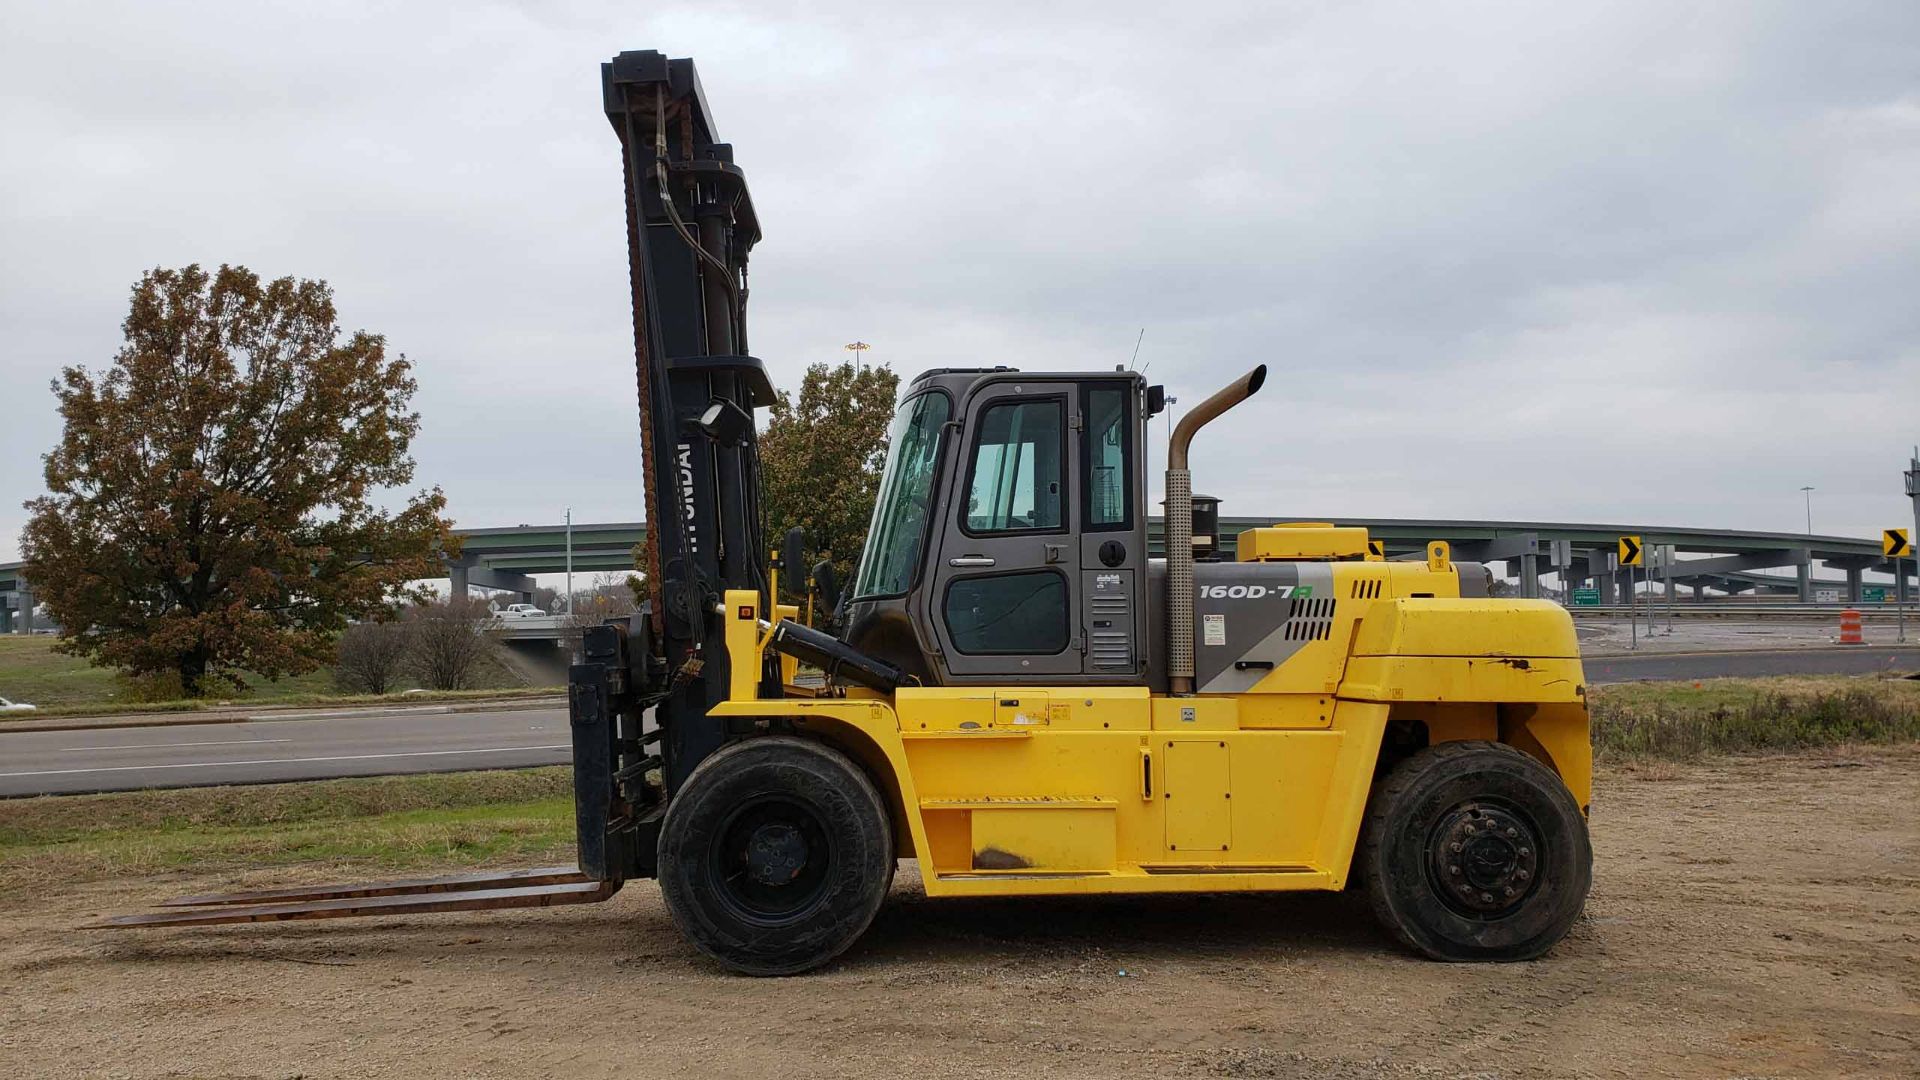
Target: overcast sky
<point>1653,263</point>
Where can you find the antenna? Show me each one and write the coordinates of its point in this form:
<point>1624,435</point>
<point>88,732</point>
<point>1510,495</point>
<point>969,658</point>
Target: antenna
<point>1136,349</point>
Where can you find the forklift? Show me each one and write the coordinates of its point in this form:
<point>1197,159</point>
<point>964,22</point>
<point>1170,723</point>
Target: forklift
<point>1020,697</point>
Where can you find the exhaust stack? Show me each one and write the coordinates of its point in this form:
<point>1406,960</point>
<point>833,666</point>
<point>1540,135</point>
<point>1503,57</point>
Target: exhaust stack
<point>1180,525</point>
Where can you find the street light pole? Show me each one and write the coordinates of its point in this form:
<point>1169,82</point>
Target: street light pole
<point>856,348</point>
<point>569,562</point>
<point>1808,492</point>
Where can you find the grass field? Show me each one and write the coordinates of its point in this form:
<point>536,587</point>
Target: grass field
<point>380,823</point>
<point>30,670</point>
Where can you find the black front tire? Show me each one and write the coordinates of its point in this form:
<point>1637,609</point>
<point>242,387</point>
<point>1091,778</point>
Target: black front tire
<point>775,855</point>
<point>1473,851</point>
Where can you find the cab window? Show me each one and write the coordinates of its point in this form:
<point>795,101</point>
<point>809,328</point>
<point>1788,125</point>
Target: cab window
<point>1015,481</point>
<point>1109,484</point>
<point>1022,614</point>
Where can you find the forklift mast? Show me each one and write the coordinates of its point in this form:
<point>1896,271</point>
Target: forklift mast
<point>690,228</point>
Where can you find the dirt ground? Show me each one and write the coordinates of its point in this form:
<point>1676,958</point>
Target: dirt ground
<point>1756,917</point>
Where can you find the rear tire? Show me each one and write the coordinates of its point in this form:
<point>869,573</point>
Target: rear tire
<point>775,855</point>
<point>1475,851</point>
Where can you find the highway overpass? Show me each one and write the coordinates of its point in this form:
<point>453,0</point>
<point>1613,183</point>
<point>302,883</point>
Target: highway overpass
<point>1709,561</point>
<point>1725,561</point>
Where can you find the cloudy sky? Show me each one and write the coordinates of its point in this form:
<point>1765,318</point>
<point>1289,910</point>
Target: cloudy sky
<point>1652,263</point>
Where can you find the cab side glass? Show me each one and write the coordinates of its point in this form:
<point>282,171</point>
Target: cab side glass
<point>1016,475</point>
<point>1108,477</point>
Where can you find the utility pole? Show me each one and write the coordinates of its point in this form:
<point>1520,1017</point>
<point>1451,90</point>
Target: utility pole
<point>1808,492</point>
<point>569,562</point>
<point>1899,571</point>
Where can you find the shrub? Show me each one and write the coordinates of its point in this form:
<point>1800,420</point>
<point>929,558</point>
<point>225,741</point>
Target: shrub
<point>449,643</point>
<point>373,656</point>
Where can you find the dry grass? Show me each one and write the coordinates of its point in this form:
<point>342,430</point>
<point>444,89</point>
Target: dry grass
<point>1685,721</point>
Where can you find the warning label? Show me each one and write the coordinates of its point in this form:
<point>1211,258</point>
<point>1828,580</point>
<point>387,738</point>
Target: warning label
<point>1215,630</point>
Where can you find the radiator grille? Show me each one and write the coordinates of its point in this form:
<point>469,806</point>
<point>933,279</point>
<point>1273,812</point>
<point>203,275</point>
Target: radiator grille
<point>1310,620</point>
<point>1368,589</point>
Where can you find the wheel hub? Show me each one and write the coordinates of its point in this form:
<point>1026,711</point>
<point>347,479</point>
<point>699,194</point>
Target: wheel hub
<point>771,859</point>
<point>776,853</point>
<point>1485,858</point>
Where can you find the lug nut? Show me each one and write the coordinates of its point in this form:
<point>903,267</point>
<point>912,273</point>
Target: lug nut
<point>1486,898</point>
<point>1525,852</point>
<point>1509,890</point>
<point>1453,870</point>
<point>1511,831</point>
<point>1469,830</point>
<point>1455,846</point>
<point>1523,875</point>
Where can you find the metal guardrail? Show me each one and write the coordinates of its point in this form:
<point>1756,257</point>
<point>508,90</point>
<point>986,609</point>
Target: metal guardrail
<point>1786,608</point>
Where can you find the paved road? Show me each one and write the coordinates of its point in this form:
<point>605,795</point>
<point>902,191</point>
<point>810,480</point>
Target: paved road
<point>1856,660</point>
<point>190,755</point>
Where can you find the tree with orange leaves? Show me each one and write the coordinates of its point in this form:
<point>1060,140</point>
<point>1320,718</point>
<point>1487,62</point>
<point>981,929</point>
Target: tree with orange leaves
<point>212,504</point>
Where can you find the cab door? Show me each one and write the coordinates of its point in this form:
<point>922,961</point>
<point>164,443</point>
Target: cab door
<point>1007,583</point>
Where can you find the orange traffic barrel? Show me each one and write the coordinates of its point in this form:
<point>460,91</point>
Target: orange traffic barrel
<point>1850,628</point>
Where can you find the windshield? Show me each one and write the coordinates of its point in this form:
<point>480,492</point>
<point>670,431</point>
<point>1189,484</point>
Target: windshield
<point>906,496</point>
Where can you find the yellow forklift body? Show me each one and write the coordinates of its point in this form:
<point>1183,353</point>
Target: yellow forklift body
<point>1022,790</point>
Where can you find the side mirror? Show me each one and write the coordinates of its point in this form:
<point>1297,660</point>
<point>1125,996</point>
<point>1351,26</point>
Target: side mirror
<point>793,553</point>
<point>827,584</point>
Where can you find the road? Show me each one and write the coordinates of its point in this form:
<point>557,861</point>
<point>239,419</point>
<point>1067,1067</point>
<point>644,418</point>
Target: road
<point>1838,660</point>
<point>190,755</point>
<point>429,739</point>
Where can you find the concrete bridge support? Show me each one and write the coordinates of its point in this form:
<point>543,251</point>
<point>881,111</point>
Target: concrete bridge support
<point>20,619</point>
<point>464,575</point>
<point>1527,569</point>
<point>1597,564</point>
<point>539,662</point>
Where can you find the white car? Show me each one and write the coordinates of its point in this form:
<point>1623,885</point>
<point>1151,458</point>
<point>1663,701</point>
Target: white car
<point>8,708</point>
<point>521,611</point>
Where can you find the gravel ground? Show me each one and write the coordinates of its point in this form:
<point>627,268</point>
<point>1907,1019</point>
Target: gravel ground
<point>1752,917</point>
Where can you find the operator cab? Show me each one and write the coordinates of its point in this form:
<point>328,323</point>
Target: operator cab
<point>1009,537</point>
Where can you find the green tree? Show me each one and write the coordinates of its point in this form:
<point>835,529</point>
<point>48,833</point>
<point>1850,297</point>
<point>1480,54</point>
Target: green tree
<point>210,506</point>
<point>821,456</point>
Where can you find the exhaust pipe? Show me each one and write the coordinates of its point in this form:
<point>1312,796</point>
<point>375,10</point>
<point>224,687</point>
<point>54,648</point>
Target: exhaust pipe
<point>1180,526</point>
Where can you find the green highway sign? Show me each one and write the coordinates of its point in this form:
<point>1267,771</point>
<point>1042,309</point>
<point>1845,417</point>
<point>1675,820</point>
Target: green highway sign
<point>1586,597</point>
<point>1873,594</point>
